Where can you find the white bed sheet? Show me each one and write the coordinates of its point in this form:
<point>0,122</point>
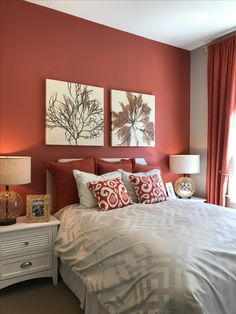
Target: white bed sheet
<point>170,257</point>
<point>88,301</point>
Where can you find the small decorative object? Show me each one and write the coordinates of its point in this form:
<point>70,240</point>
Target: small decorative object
<point>133,119</point>
<point>170,190</point>
<point>14,170</point>
<point>74,114</point>
<point>184,164</point>
<point>38,208</point>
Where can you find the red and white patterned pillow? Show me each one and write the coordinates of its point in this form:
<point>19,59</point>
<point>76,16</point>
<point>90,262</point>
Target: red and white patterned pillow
<point>149,189</point>
<point>110,194</point>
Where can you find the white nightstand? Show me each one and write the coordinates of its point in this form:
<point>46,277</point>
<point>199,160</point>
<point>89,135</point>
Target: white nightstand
<point>194,198</point>
<point>26,251</point>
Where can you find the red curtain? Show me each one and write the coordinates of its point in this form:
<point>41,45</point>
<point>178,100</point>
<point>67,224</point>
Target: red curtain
<point>221,107</point>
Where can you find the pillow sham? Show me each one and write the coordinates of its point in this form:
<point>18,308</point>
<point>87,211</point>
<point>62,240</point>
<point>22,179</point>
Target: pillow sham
<point>149,189</point>
<point>64,186</point>
<point>110,194</point>
<point>129,186</point>
<point>103,166</point>
<point>86,196</point>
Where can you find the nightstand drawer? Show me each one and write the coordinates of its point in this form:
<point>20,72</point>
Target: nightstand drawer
<point>25,265</point>
<point>25,242</point>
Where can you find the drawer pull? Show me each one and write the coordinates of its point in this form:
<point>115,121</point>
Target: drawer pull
<point>26,264</point>
<point>26,243</point>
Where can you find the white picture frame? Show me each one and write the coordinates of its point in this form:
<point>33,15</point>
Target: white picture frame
<point>170,190</point>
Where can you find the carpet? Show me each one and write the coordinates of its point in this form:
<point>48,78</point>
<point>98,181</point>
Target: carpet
<point>38,296</point>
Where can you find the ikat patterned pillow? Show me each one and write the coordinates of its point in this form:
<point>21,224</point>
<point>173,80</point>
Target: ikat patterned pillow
<point>110,194</point>
<point>149,189</point>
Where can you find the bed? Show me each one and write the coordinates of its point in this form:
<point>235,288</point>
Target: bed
<point>174,256</point>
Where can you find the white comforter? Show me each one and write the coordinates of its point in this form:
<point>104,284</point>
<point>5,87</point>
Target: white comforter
<point>172,257</point>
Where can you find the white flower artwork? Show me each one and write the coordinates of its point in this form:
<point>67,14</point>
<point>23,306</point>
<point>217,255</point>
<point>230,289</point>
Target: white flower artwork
<point>133,119</point>
<point>74,114</point>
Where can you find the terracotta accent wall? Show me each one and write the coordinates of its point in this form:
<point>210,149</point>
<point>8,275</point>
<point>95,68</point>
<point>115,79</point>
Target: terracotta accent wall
<point>39,43</point>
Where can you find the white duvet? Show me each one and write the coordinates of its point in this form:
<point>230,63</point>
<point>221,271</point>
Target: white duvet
<point>172,257</point>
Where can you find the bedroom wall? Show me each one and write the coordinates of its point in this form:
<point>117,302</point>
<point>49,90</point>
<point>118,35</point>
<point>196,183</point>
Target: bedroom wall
<point>199,115</point>
<point>39,43</point>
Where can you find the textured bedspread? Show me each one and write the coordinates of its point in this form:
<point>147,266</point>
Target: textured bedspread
<point>171,257</point>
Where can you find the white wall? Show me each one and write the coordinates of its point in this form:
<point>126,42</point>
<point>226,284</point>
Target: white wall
<point>199,114</point>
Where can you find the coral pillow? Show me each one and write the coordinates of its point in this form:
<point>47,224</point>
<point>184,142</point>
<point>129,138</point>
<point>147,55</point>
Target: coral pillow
<point>129,186</point>
<point>64,185</point>
<point>144,168</point>
<point>110,194</point>
<point>149,189</point>
<point>103,166</point>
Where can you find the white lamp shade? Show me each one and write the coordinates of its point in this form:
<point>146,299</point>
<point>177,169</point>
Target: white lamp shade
<point>15,170</point>
<point>184,164</point>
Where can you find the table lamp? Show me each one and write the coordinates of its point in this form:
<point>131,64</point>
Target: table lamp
<point>14,170</point>
<point>184,164</point>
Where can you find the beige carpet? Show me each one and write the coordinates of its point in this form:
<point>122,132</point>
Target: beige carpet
<point>38,296</point>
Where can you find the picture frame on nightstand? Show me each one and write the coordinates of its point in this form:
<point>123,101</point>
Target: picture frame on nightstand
<point>38,208</point>
<point>170,190</point>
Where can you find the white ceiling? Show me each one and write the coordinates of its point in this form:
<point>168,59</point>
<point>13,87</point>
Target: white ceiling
<point>185,24</point>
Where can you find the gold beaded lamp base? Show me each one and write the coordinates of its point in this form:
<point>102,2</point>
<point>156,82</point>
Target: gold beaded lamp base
<point>184,187</point>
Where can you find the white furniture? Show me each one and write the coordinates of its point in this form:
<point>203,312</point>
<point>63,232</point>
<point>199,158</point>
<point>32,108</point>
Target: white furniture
<point>26,251</point>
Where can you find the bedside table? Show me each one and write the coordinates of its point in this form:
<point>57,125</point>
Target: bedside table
<point>26,251</point>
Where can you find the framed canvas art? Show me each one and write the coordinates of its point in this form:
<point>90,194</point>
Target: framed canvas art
<point>74,114</point>
<point>133,119</point>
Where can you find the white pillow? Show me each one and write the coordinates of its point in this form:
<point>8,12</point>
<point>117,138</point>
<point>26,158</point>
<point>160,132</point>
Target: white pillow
<point>129,186</point>
<point>87,199</point>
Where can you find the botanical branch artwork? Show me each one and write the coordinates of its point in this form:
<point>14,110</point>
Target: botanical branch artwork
<point>74,114</point>
<point>133,119</point>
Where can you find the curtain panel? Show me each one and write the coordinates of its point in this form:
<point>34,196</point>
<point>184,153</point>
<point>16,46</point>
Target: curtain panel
<point>221,113</point>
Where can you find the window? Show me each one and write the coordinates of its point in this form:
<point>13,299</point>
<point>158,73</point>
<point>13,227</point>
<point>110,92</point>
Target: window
<point>232,160</point>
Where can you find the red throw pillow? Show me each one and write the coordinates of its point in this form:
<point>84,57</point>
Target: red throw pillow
<point>103,166</point>
<point>64,186</point>
<point>110,194</point>
<point>144,168</point>
<point>149,189</point>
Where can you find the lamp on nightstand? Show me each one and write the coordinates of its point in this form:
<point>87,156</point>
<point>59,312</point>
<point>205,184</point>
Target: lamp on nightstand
<point>14,170</point>
<point>184,164</point>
